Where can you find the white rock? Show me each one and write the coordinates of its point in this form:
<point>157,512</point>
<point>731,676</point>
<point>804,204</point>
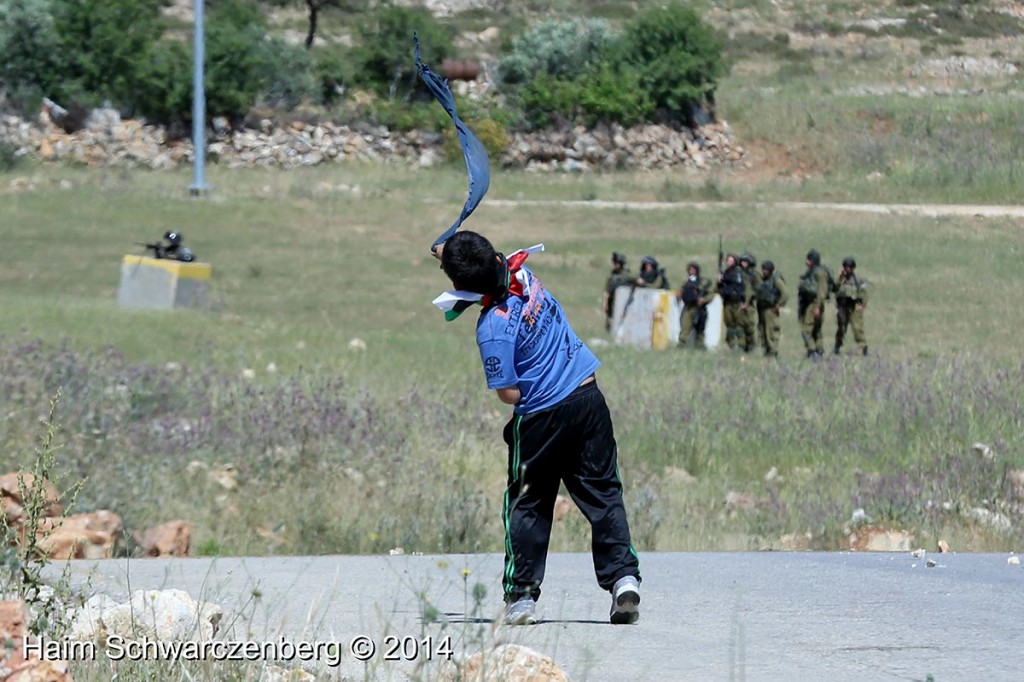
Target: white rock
<point>167,615</point>
<point>357,345</point>
<point>1013,560</point>
<point>993,520</point>
<point>248,373</point>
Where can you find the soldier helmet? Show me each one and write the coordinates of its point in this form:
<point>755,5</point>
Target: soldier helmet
<point>768,265</point>
<point>849,262</point>
<point>649,260</point>
<point>173,237</point>
<point>814,256</point>
<point>695,265</point>
<point>185,255</point>
<point>748,258</point>
<point>619,258</point>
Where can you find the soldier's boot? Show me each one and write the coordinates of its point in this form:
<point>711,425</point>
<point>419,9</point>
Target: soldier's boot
<point>835,349</point>
<point>865,351</point>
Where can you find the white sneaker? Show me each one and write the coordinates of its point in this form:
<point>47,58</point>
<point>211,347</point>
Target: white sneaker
<point>522,612</point>
<point>625,601</point>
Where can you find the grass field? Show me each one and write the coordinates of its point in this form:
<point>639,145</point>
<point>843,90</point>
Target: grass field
<point>307,261</point>
<point>304,262</point>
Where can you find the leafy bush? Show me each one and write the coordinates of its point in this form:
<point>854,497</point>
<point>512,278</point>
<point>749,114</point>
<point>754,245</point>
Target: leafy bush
<point>290,77</point>
<point>491,133</point>
<point>331,73</point>
<point>384,57</point>
<point>563,49</point>
<point>104,44</point>
<point>613,96</point>
<point>678,59</point>
<point>29,49</point>
<point>605,94</point>
<point>164,93</point>
<point>237,58</point>
<point>9,158</point>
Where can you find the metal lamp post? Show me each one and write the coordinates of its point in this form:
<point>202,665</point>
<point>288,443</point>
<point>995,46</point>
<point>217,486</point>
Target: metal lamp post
<point>198,186</point>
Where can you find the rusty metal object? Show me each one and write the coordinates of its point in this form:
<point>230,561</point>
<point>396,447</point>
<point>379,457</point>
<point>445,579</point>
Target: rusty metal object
<point>460,70</point>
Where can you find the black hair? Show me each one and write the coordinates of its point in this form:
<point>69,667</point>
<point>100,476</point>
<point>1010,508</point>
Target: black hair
<point>471,263</point>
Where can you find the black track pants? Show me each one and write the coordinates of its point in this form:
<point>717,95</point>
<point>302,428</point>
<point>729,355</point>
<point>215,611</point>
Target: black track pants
<point>572,442</point>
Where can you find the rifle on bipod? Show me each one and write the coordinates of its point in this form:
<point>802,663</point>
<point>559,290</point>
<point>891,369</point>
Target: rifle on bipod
<point>156,247</point>
<point>721,255</point>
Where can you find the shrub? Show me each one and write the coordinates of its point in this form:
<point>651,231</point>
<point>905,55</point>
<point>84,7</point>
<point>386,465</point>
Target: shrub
<point>331,73</point>
<point>29,50</point>
<point>605,94</point>
<point>564,49</point>
<point>548,101</point>
<point>105,44</point>
<point>609,95</point>
<point>237,67</point>
<point>290,75</point>
<point>9,158</point>
<point>677,57</point>
<point>384,57</point>
<point>164,93</point>
<point>492,134</point>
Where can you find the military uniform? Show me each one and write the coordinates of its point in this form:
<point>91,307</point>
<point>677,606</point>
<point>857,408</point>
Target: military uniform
<point>695,295</point>
<point>735,291</point>
<point>813,291</point>
<point>851,297</point>
<point>619,276</point>
<point>770,296</point>
<point>751,322</point>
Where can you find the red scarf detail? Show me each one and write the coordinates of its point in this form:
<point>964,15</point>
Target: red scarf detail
<point>515,287</point>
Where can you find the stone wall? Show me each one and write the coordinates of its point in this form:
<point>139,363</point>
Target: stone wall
<point>108,141</point>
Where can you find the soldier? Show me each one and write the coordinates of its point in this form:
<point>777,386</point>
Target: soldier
<point>695,294</point>
<point>620,276</point>
<point>748,264</point>
<point>651,275</point>
<point>851,297</point>
<point>771,296</point>
<point>735,291</point>
<point>813,291</point>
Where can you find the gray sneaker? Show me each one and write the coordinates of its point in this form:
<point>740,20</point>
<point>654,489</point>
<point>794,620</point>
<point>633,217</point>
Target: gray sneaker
<point>625,601</point>
<point>522,612</point>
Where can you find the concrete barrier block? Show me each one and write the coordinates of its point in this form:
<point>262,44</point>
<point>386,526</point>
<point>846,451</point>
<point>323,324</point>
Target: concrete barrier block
<point>160,284</point>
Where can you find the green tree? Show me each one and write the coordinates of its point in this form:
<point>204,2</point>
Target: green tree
<point>678,59</point>
<point>384,56</point>
<point>104,42</point>
<point>164,93</point>
<point>29,46</point>
<point>238,65</point>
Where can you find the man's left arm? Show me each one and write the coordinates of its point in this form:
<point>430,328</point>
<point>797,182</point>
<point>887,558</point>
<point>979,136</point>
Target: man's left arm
<point>498,356</point>
<point>509,396</point>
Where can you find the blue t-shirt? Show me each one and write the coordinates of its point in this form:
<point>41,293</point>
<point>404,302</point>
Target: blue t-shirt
<point>527,342</point>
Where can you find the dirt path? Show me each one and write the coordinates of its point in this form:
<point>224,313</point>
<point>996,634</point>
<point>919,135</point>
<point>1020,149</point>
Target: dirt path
<point>927,210</point>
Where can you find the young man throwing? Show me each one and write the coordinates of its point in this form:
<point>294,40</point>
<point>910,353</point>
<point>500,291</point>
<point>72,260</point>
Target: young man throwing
<point>560,431</point>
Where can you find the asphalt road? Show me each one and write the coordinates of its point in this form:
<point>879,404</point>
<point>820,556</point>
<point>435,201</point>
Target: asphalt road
<point>721,616</point>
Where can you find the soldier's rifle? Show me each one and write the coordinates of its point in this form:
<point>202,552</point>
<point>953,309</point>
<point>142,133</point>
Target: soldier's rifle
<point>156,247</point>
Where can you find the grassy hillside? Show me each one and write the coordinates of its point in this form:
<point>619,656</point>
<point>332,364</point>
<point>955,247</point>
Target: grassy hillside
<point>304,262</point>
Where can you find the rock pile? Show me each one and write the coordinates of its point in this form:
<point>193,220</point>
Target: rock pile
<point>91,535</point>
<point>109,141</point>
